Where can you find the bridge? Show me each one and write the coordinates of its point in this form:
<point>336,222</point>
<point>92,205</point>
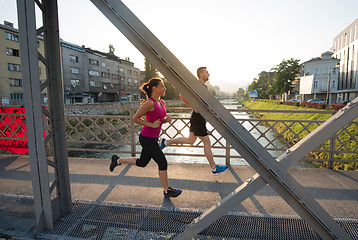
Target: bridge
<point>53,201</point>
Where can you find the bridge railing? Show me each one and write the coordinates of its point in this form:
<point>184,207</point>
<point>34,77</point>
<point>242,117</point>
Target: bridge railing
<point>119,134</point>
<point>96,135</point>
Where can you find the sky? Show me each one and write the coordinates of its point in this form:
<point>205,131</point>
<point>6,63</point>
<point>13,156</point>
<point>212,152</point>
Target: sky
<point>234,39</point>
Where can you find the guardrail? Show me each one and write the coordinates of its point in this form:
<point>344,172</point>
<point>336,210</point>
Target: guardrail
<point>117,133</point>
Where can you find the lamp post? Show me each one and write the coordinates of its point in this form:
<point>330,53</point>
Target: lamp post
<point>329,81</point>
<point>328,85</point>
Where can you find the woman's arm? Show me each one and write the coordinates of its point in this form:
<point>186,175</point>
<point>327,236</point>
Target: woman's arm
<point>146,107</point>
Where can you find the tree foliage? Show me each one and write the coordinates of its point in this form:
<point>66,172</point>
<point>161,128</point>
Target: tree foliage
<point>240,93</point>
<point>277,81</point>
<point>172,92</point>
<point>263,85</point>
<point>111,49</point>
<point>285,73</point>
<point>150,70</point>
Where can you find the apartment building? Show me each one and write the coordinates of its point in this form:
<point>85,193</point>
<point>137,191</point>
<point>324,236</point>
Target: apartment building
<point>11,91</point>
<point>345,48</point>
<point>93,76</point>
<point>319,78</point>
<point>89,76</point>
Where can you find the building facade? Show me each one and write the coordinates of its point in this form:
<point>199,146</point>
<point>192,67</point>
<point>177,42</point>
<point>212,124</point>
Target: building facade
<point>89,76</point>
<point>11,91</point>
<point>319,78</point>
<point>345,48</point>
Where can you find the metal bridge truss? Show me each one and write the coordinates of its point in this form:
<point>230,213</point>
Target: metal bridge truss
<point>269,170</point>
<point>45,125</point>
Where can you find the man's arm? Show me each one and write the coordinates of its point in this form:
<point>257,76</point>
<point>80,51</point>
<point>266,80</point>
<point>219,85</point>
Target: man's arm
<point>187,103</point>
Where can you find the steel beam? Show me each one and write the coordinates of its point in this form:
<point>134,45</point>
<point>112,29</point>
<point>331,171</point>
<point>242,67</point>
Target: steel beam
<point>47,210</point>
<point>242,141</point>
<point>292,155</point>
<point>33,112</point>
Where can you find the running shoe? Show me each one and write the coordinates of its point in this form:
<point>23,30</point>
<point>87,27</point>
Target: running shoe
<point>114,163</point>
<point>219,169</point>
<point>162,143</point>
<point>172,192</point>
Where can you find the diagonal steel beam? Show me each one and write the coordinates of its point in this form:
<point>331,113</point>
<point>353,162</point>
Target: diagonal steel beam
<point>292,155</point>
<point>242,141</point>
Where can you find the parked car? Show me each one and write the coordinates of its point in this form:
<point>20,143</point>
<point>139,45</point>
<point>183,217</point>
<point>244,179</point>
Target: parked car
<point>316,101</point>
<point>295,100</point>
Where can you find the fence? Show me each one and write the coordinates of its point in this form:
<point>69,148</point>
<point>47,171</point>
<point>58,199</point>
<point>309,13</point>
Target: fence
<point>117,133</point>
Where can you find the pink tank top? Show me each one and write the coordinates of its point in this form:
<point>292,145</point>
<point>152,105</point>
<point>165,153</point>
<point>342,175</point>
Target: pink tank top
<point>159,112</point>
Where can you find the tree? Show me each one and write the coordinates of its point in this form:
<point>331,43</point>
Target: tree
<point>263,85</point>
<point>150,70</point>
<point>285,74</point>
<point>111,49</point>
<point>240,93</point>
<point>172,92</point>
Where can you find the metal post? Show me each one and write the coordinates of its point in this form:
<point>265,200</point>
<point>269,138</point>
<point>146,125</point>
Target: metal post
<point>51,202</point>
<point>33,113</point>
<point>227,153</point>
<point>332,149</point>
<point>133,133</point>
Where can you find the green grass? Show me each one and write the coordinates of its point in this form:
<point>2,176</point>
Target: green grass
<point>351,145</point>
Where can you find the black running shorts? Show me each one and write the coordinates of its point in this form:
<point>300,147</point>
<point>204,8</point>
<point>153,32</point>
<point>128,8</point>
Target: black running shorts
<point>198,125</point>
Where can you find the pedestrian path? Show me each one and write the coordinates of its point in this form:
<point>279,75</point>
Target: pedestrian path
<point>107,202</point>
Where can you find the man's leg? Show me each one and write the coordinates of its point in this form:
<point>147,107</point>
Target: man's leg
<point>182,140</point>
<point>207,151</point>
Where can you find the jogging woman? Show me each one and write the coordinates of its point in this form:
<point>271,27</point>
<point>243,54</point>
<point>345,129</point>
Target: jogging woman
<point>155,115</point>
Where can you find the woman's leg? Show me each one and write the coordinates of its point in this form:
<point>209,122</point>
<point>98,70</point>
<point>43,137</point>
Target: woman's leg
<point>163,176</point>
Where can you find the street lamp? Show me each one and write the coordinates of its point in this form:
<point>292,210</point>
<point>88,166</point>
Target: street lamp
<point>328,85</point>
<point>329,82</point>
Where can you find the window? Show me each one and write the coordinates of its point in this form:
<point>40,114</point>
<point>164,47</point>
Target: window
<point>14,67</point>
<point>16,97</point>
<point>315,84</point>
<point>12,52</point>
<point>129,80</point>
<point>15,82</point>
<point>11,36</point>
<point>121,70</point>
<point>93,62</point>
<point>129,71</point>
<point>115,76</point>
<point>74,70</point>
<point>105,75</point>
<point>95,84</point>
<point>316,71</point>
<point>73,58</point>
<point>135,81</point>
<point>333,84</point>
<point>75,82</point>
<point>94,73</point>
<point>325,70</point>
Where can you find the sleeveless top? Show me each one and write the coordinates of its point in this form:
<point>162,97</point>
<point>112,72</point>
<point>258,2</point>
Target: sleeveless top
<point>159,112</point>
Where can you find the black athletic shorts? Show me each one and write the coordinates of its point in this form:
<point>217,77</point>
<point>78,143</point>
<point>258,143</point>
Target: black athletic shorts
<point>198,125</point>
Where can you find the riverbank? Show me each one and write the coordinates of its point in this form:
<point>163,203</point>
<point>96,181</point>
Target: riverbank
<point>343,138</point>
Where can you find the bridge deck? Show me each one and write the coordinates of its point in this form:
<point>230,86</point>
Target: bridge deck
<point>129,201</point>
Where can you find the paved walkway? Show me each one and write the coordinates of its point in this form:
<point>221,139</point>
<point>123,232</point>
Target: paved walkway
<point>336,191</point>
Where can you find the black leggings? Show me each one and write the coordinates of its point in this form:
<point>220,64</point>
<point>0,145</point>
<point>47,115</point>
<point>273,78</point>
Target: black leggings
<point>151,149</point>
